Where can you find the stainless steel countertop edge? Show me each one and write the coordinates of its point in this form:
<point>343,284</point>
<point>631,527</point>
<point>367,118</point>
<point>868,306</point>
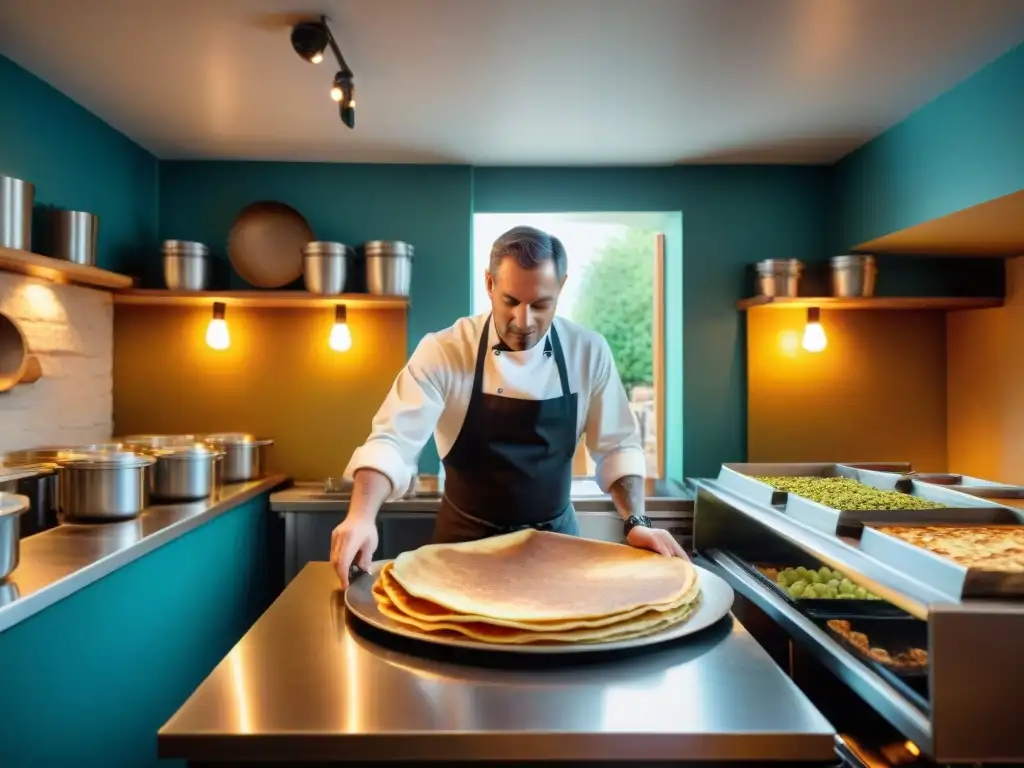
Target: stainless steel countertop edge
<point>24,607</point>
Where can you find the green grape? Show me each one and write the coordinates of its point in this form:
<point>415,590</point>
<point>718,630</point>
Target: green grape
<point>825,573</point>
<point>846,596</point>
<point>796,589</point>
<point>833,593</point>
<point>846,586</point>
<point>834,583</point>
<point>861,593</point>
<point>814,577</point>
<point>821,590</point>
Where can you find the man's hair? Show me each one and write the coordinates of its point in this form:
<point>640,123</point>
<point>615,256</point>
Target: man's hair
<point>530,247</point>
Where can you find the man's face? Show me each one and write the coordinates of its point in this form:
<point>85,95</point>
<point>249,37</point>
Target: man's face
<point>523,301</point>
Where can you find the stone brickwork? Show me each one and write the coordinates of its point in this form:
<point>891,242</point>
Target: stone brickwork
<point>71,330</point>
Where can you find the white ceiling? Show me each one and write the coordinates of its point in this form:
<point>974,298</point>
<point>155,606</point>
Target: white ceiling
<point>596,82</point>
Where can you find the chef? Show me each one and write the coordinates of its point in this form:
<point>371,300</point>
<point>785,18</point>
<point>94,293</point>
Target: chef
<point>507,395</point>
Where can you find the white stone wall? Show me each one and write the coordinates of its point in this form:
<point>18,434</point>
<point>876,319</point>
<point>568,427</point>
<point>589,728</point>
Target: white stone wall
<point>71,330</point>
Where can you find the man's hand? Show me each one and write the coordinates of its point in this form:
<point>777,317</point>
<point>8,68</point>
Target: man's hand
<point>656,540</point>
<point>354,541</point>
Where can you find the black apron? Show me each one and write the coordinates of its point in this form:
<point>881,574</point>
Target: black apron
<point>511,465</point>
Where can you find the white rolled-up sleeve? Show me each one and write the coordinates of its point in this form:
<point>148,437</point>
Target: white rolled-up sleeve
<point>612,432</point>
<point>406,419</point>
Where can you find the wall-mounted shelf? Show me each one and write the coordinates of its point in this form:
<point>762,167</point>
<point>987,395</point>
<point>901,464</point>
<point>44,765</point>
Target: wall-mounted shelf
<point>59,271</point>
<point>266,299</point>
<point>873,302</point>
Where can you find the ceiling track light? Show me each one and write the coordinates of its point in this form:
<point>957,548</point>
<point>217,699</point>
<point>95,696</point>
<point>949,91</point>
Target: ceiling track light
<point>310,39</point>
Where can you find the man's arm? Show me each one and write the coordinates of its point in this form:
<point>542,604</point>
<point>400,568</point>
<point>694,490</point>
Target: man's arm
<point>628,495</point>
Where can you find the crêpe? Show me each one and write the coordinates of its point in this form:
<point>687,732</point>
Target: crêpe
<point>424,613</point>
<point>536,576</point>
<point>647,623</point>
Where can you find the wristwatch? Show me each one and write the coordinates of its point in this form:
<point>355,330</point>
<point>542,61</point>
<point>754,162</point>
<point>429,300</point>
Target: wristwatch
<point>633,521</point>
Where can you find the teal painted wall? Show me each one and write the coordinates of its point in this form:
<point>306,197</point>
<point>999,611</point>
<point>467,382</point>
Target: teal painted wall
<point>428,206</point>
<point>731,217</point>
<point>961,149</point>
<point>90,680</point>
<point>78,162</point>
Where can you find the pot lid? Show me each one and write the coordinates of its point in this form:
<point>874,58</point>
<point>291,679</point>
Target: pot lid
<point>324,248</point>
<point>12,504</point>
<point>159,441</point>
<point>185,452</point>
<point>108,460</point>
<point>232,438</point>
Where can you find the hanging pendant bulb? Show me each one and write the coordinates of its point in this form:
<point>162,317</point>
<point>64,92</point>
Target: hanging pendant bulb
<point>340,339</point>
<point>814,335</point>
<point>217,336</point>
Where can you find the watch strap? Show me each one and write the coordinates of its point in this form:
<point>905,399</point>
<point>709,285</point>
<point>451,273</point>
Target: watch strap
<point>633,521</point>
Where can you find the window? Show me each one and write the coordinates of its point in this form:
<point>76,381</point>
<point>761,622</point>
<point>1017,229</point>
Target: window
<point>615,287</point>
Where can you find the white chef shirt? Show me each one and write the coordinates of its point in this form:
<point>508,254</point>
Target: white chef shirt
<point>431,394</point>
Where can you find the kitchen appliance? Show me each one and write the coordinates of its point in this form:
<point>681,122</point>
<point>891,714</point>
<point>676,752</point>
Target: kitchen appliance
<point>17,365</point>
<point>16,199</point>
<point>184,473</point>
<point>38,483</point>
<point>186,265</point>
<point>853,276</point>
<point>75,236</point>
<point>107,485</point>
<point>244,457</point>
<point>265,244</point>
<point>388,267</point>
<point>324,267</point>
<point>12,506</point>
<point>778,277</point>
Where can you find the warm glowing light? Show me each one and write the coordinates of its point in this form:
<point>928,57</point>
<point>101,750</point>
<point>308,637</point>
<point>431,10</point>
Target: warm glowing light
<point>340,339</point>
<point>217,336</point>
<point>336,93</point>
<point>814,335</point>
<point>317,58</point>
<point>912,748</point>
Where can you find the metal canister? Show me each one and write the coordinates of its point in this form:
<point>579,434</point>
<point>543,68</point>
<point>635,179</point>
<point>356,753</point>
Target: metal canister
<point>75,236</point>
<point>779,277</point>
<point>324,267</point>
<point>853,275</point>
<point>16,200</point>
<point>186,265</point>
<point>388,267</point>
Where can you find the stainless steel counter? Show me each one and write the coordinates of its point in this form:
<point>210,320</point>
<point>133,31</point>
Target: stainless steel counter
<point>63,560</point>
<point>661,495</point>
<point>310,683</point>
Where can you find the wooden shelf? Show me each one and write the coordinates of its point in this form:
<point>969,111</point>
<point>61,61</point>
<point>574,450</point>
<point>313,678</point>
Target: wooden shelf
<point>60,271</point>
<point>267,299</point>
<point>874,302</point>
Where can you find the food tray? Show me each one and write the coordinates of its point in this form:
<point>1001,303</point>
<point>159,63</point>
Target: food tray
<point>825,608</point>
<point>958,507</point>
<point>895,636</point>
<point>740,477</point>
<point>945,575</point>
<point>972,486</point>
<point>716,598</point>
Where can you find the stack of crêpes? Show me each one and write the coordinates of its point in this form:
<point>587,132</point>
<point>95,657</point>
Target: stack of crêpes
<point>537,587</point>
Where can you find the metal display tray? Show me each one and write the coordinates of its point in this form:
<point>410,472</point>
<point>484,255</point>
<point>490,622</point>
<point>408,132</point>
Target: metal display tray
<point>895,636</point>
<point>973,486</point>
<point>716,598</point>
<point>942,574</point>
<point>826,608</point>
<point>741,477</point>
<point>958,507</point>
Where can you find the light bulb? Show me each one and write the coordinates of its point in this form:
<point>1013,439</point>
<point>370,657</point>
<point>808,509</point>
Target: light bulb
<point>336,93</point>
<point>814,335</point>
<point>340,339</point>
<point>317,58</point>
<point>217,336</point>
